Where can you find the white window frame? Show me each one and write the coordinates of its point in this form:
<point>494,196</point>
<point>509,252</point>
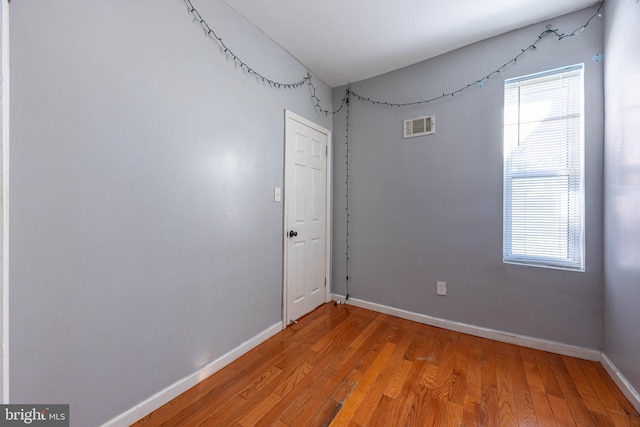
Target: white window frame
<point>543,212</point>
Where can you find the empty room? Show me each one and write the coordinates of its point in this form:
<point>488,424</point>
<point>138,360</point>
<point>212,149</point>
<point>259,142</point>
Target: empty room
<point>297,213</point>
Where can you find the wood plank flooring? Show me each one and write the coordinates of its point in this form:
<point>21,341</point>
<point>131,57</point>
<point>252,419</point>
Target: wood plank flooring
<point>347,366</point>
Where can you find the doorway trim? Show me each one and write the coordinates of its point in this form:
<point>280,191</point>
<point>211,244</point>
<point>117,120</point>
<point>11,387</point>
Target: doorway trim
<point>288,115</point>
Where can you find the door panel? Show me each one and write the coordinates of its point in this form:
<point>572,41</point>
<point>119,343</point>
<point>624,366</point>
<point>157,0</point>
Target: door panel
<point>299,266</point>
<point>305,204</point>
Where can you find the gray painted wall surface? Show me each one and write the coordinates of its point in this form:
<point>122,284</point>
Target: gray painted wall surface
<point>145,241</point>
<point>2,124</point>
<point>622,187</point>
<point>430,208</point>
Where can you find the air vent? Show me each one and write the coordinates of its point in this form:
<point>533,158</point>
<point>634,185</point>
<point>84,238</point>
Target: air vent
<point>419,126</point>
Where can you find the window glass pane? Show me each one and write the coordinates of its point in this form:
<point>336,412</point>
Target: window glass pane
<point>543,169</point>
<point>539,220</point>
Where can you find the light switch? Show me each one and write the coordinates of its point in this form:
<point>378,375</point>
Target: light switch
<point>277,194</point>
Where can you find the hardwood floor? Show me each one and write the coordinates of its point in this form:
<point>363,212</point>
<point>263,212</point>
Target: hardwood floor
<point>347,366</point>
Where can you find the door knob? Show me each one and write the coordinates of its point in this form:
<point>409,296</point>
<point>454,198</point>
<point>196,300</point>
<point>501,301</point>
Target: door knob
<point>293,233</point>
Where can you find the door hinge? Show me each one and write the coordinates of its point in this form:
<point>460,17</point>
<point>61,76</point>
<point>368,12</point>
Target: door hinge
<point>325,282</point>
<point>326,150</point>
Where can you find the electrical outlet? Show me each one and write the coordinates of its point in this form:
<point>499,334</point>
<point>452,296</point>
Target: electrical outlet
<point>441,288</point>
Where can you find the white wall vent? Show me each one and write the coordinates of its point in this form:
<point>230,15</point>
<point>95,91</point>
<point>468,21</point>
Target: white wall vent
<point>419,126</point>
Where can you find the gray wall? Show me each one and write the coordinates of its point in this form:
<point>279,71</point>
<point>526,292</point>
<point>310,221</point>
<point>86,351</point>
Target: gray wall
<point>145,242</point>
<point>2,190</point>
<point>622,187</point>
<point>430,208</point>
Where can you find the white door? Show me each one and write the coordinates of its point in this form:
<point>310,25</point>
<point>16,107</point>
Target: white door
<point>306,231</point>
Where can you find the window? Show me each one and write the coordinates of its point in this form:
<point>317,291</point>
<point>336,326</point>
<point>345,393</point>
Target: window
<point>543,169</point>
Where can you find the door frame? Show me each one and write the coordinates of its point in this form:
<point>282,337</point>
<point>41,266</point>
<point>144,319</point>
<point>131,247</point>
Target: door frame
<point>327,227</point>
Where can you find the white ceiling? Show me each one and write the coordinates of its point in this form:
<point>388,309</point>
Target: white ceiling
<point>344,41</point>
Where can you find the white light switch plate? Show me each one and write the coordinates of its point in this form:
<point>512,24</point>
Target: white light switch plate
<point>277,194</point>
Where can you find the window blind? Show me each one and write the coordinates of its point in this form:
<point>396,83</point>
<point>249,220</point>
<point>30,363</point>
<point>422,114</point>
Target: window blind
<point>543,169</point>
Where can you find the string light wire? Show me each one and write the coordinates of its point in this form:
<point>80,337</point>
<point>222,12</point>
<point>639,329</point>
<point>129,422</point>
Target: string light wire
<point>209,32</point>
<point>226,50</point>
<point>481,82</point>
<point>346,194</point>
<point>345,102</point>
<point>316,100</point>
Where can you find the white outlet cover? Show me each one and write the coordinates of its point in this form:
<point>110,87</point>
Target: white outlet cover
<point>441,288</point>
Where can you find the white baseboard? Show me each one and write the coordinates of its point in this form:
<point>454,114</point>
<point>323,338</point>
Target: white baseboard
<point>525,341</point>
<point>157,400</point>
<point>625,386</point>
